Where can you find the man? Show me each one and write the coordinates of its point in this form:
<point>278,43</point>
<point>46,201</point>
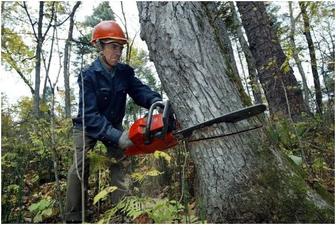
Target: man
<point>102,99</point>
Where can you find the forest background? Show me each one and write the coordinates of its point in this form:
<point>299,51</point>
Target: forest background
<point>45,45</point>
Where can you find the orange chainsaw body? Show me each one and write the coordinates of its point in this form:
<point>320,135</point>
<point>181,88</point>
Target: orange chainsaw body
<point>137,136</point>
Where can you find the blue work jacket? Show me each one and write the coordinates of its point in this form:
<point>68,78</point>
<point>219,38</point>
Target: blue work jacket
<point>105,100</point>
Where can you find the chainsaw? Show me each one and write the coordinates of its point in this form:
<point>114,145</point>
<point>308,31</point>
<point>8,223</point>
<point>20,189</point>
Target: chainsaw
<point>159,131</point>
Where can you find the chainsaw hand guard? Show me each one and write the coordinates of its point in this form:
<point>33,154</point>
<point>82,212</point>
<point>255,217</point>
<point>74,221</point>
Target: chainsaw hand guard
<point>153,132</point>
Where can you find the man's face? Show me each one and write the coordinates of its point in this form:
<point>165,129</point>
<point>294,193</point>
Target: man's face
<point>112,52</point>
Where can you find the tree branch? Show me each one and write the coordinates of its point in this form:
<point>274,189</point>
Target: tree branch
<point>25,80</point>
<point>50,21</point>
<point>30,19</point>
<point>71,14</point>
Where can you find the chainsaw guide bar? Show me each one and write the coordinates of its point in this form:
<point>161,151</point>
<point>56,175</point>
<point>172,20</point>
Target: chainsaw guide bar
<point>231,117</point>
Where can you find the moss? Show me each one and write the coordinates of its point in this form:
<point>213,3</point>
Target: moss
<point>234,78</point>
<point>280,192</point>
<point>285,191</point>
<point>329,198</point>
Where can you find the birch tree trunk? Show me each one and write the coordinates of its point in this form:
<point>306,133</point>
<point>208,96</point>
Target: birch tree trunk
<point>240,52</point>
<point>239,179</point>
<point>281,88</point>
<point>252,69</point>
<point>296,54</point>
<point>67,62</point>
<point>313,63</point>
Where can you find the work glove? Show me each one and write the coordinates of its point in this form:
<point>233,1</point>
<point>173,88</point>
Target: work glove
<point>124,142</point>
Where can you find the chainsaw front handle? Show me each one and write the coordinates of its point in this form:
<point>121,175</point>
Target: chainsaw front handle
<point>165,106</point>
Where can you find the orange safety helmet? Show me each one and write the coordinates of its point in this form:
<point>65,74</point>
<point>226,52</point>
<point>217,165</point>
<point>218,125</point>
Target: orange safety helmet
<point>108,29</point>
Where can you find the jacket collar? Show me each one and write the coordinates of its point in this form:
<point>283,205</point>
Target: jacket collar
<point>97,66</point>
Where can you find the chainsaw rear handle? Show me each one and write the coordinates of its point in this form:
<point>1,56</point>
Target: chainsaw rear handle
<point>165,117</point>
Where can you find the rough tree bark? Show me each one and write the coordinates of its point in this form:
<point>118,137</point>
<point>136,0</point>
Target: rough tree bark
<point>313,63</point>
<point>67,62</point>
<point>239,179</point>
<point>225,45</point>
<point>281,88</point>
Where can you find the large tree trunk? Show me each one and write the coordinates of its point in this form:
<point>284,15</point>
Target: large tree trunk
<point>251,66</point>
<point>67,62</point>
<point>313,63</point>
<point>281,88</point>
<point>225,45</point>
<point>239,179</point>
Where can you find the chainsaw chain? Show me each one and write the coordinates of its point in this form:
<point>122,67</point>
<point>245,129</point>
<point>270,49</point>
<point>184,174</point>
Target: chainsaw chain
<point>224,135</point>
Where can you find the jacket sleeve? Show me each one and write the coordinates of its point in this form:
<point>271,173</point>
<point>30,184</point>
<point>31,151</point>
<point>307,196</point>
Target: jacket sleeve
<point>96,124</point>
<point>141,93</point>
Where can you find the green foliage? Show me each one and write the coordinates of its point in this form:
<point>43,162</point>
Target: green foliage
<point>309,144</point>
<point>98,159</point>
<point>42,209</point>
<point>165,211</point>
<point>60,7</point>
<point>102,12</point>
<point>15,53</point>
<point>26,159</point>
<point>159,210</point>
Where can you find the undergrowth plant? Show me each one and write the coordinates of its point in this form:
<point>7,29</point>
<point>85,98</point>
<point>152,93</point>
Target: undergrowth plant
<point>157,210</point>
<point>309,144</point>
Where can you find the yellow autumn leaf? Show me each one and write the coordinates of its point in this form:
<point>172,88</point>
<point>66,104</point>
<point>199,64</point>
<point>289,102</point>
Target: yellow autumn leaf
<point>164,155</point>
<point>103,193</point>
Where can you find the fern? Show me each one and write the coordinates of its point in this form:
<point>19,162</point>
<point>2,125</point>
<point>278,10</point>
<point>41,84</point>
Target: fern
<point>159,210</point>
<point>42,209</point>
<point>130,205</point>
<point>98,161</point>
